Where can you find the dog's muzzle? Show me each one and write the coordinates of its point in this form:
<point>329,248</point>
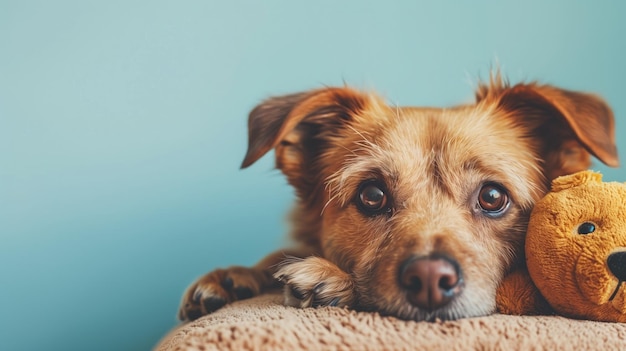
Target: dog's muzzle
<point>431,281</point>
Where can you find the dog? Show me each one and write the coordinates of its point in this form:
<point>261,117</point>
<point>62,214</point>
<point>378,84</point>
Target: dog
<point>414,212</point>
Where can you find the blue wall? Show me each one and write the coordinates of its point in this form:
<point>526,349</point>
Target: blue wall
<point>122,127</point>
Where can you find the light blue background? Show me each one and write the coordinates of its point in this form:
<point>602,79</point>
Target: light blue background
<point>122,127</point>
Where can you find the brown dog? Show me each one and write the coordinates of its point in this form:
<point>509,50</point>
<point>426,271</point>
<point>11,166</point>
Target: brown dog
<point>412,212</point>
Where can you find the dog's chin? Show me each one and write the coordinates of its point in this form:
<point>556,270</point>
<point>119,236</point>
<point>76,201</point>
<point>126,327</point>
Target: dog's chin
<point>457,309</point>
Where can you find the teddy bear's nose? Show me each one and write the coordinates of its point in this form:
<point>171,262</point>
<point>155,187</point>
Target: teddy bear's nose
<point>617,265</point>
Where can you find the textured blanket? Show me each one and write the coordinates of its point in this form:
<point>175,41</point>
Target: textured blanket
<point>262,323</point>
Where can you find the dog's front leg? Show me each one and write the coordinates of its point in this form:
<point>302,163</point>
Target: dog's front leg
<point>223,286</point>
<point>314,281</point>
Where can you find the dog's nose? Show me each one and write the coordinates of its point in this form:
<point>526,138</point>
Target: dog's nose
<point>617,265</point>
<point>431,281</point>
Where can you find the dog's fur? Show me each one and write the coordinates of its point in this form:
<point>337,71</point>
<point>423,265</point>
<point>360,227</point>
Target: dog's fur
<point>432,164</point>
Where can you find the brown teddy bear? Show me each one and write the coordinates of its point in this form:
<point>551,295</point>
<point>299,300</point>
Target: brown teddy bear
<point>575,253</point>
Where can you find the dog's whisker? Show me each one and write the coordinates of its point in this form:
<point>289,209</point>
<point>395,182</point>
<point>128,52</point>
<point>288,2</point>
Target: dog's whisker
<point>330,200</point>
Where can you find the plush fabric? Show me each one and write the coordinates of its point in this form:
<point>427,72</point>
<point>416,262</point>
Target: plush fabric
<point>262,323</point>
<point>575,253</point>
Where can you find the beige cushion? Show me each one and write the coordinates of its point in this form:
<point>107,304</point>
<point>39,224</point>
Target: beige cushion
<point>262,323</point>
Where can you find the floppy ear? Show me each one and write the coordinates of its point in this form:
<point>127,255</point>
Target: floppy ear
<point>299,127</point>
<point>571,125</point>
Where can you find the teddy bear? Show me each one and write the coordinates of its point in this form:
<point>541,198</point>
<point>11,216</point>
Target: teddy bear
<point>575,253</point>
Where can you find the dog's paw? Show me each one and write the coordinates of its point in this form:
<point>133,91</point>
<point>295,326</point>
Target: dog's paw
<point>313,282</point>
<point>218,288</point>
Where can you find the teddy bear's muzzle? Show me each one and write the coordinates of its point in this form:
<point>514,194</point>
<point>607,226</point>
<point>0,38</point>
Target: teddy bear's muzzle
<point>617,265</point>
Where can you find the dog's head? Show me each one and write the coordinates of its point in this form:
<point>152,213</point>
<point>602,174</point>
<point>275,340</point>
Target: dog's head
<point>427,207</point>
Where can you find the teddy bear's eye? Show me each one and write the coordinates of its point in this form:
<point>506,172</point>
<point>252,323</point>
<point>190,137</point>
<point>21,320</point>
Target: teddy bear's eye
<point>586,228</point>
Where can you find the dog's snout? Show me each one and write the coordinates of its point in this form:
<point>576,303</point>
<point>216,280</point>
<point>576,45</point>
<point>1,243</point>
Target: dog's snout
<point>617,264</point>
<point>431,281</point>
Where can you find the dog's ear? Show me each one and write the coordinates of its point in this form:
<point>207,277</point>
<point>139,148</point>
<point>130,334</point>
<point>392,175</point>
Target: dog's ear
<point>571,125</point>
<point>299,127</point>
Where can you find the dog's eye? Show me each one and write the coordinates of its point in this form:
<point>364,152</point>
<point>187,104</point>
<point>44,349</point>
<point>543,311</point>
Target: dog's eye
<point>372,199</point>
<point>586,228</point>
<point>493,199</point>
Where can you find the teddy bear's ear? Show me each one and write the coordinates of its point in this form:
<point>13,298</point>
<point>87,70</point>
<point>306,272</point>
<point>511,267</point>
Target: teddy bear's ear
<point>576,179</point>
